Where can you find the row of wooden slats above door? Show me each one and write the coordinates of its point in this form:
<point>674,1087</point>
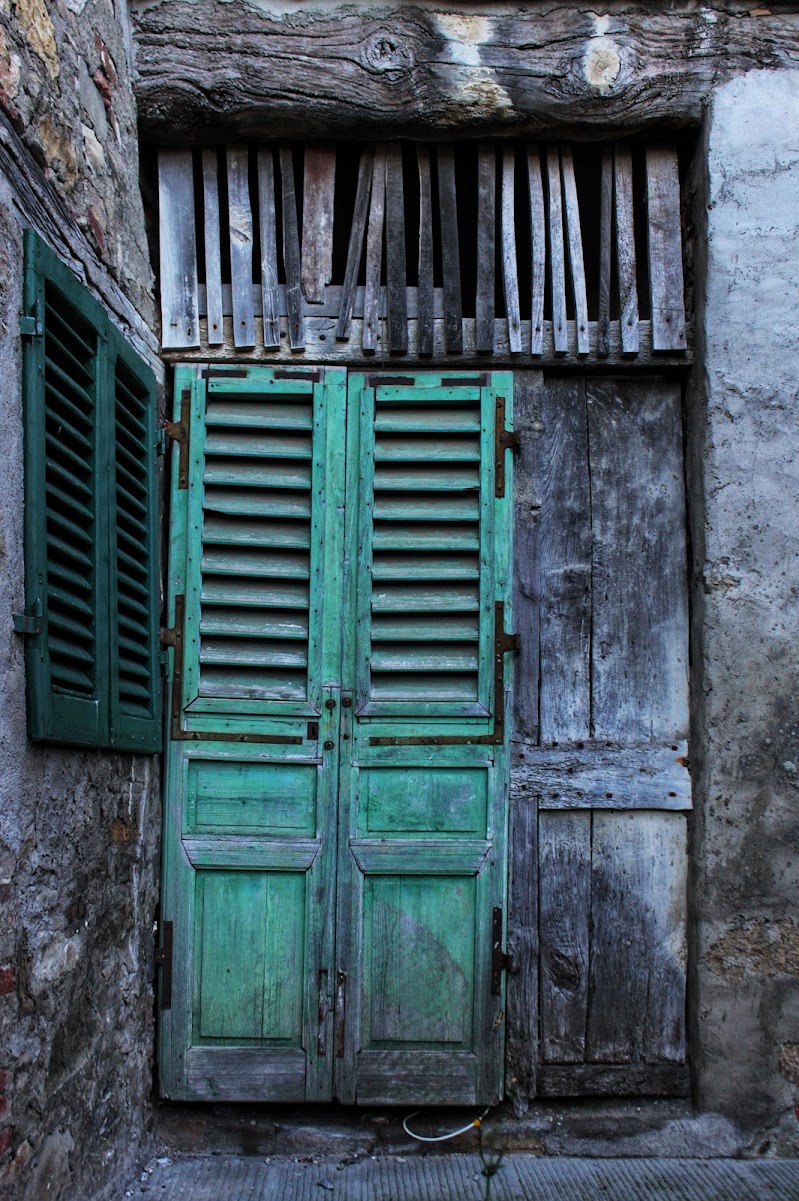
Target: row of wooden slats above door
<point>244,205</point>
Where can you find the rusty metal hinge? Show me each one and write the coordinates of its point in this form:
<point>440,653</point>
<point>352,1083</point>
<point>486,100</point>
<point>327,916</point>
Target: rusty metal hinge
<point>503,440</point>
<point>340,1013</point>
<point>500,961</point>
<point>29,623</point>
<point>163,959</point>
<point>178,431</point>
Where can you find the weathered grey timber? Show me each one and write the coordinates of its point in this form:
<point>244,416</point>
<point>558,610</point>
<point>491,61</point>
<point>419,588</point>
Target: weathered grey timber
<point>180,324</point>
<point>210,69</point>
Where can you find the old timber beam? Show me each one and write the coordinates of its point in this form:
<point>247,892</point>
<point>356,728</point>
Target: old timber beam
<point>214,69</point>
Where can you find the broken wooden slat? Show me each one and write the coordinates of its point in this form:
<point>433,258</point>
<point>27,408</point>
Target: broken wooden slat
<point>605,252</point>
<point>291,250</point>
<point>564,916</point>
<point>355,248</point>
<point>538,241</point>
<point>510,277</point>
<point>396,277</point>
<point>318,194</point>
<point>374,251</point>
<point>269,286</point>
<point>213,249</point>
<point>425,294</point>
<point>486,251</point>
<point>575,242</point>
<point>240,214</point>
<point>450,250</point>
<point>180,324</point>
<point>625,250</point>
<point>665,248</point>
<point>557,264</point>
<point>599,776</point>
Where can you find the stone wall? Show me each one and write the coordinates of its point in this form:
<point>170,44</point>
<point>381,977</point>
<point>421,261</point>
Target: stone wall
<point>78,831</point>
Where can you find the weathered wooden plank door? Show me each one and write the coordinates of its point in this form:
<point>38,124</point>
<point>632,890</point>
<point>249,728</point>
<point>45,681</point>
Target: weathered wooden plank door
<point>337,684</point>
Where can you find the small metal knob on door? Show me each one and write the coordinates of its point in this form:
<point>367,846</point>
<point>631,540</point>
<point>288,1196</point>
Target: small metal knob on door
<point>330,703</point>
<point>329,744</point>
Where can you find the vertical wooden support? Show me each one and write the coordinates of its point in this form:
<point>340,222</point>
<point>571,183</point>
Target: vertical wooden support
<point>269,284</point>
<point>625,249</point>
<point>605,253</point>
<point>575,242</point>
<point>557,264</point>
<point>539,249</point>
<point>486,246</point>
<point>527,392</point>
<point>425,289</point>
<point>665,248</point>
<point>213,249</point>
<point>522,1050</point>
<point>450,250</point>
<point>319,184</point>
<point>291,250</point>
<point>510,276</point>
<point>355,248</point>
<point>374,251</point>
<point>180,323</point>
<point>240,212</point>
<point>396,274</point>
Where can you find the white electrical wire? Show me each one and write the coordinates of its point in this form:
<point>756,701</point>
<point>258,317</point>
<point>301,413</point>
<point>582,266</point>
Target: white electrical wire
<point>441,1138</point>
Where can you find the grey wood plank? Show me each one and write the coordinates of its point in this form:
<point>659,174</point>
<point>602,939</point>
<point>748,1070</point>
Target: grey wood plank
<point>486,246</point>
<point>510,275</point>
<point>639,678</point>
<point>450,249</point>
<point>625,249</point>
<point>636,1008</point>
<point>241,240</point>
<point>565,564</point>
<point>374,252</point>
<point>564,841</point>
<point>213,249</point>
<point>605,251</point>
<point>180,323</point>
<point>557,261</point>
<point>538,242</point>
<point>270,296</point>
<point>575,243</point>
<point>603,776</point>
<point>318,194</point>
<point>246,1073</point>
<point>430,1078</point>
<point>527,389</point>
<point>664,242</point>
<point>396,274</point>
<point>291,250</point>
<point>425,293</point>
<point>614,1080</point>
<point>355,248</point>
<point>521,1051</point>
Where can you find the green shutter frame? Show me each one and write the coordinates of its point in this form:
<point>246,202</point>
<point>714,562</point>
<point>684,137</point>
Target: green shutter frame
<point>71,354</point>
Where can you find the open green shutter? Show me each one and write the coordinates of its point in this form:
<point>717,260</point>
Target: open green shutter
<point>135,689</point>
<point>67,662</point>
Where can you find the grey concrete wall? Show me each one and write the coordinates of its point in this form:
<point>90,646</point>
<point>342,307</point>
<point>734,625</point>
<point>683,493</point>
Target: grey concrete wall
<point>745,470</point>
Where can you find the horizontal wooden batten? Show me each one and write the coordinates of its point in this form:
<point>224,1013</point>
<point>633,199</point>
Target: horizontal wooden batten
<point>603,777</point>
<point>615,1080</point>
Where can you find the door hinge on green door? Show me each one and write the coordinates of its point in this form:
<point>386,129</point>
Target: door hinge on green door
<point>500,960</point>
<point>163,959</point>
<point>503,440</point>
<point>178,431</point>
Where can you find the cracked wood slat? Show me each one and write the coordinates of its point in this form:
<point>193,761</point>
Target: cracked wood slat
<point>574,240</point>
<point>425,294</point>
<point>625,250</point>
<point>450,252</point>
<point>605,252</point>
<point>213,249</point>
<point>405,71</point>
<point>270,293</point>
<point>374,253</point>
<point>240,220</point>
<point>564,854</point>
<point>510,277</point>
<point>527,390</point>
<point>664,244</point>
<point>355,248</point>
<point>557,261</point>
<point>603,776</point>
<point>521,1050</point>
<point>486,246</point>
<point>538,241</point>
<point>396,277</point>
<point>180,323</point>
<point>291,251</point>
<point>318,194</point>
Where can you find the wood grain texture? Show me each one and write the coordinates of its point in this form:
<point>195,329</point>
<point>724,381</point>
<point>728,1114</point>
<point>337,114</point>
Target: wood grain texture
<point>605,251</point>
<point>291,250</point>
<point>318,193</point>
<point>425,293</point>
<point>527,389</point>
<point>557,260</point>
<point>404,71</point>
<point>355,248</point>
<point>664,243</point>
<point>510,273</point>
<point>486,246</point>
<point>614,1080</point>
<point>180,324</point>
<point>602,776</point>
<point>574,239</point>
<point>213,247</point>
<point>625,250</point>
<point>396,274</point>
<point>270,297</point>
<point>374,253</point>
<point>241,232</point>
<point>564,932</point>
<point>538,242</point>
<point>521,1055</point>
<point>450,250</point>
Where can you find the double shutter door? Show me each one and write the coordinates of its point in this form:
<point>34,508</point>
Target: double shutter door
<point>335,850</point>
